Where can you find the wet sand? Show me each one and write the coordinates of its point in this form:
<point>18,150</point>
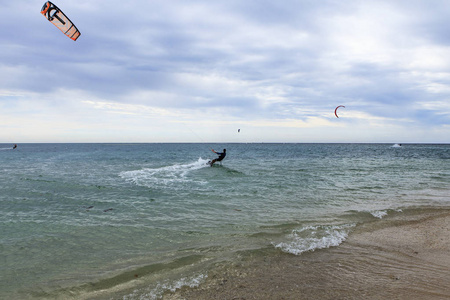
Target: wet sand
<point>405,257</point>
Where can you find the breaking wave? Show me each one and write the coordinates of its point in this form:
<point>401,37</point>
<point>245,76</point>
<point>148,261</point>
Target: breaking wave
<point>311,238</point>
<point>162,287</point>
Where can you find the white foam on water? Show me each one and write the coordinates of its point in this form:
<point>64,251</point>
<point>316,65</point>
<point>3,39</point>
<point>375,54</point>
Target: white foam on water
<point>311,238</point>
<point>379,213</point>
<point>161,288</point>
<point>164,175</point>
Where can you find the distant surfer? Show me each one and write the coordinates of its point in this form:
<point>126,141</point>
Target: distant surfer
<point>15,146</point>
<point>220,158</point>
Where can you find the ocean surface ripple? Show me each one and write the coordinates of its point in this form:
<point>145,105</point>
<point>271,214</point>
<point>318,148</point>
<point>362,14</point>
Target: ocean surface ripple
<point>80,218</point>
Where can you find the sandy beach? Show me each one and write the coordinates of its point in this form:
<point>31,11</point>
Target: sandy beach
<point>404,257</point>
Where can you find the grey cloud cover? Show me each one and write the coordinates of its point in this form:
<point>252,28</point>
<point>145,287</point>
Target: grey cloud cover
<point>148,69</point>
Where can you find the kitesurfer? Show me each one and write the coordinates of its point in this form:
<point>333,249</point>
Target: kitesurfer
<point>220,158</point>
<point>15,146</point>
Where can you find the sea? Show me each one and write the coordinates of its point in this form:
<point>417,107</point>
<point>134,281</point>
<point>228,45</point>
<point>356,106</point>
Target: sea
<point>134,221</point>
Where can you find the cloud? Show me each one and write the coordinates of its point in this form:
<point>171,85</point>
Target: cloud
<point>258,63</point>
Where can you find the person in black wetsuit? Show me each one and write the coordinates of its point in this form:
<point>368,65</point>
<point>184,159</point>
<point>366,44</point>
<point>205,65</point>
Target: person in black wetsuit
<point>220,158</point>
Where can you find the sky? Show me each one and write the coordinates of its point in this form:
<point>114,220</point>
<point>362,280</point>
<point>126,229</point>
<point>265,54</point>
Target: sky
<point>197,71</point>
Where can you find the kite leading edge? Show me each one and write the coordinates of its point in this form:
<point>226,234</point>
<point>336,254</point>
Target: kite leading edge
<point>335,111</point>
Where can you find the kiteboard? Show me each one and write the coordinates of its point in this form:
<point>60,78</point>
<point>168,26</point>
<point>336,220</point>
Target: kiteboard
<point>209,163</point>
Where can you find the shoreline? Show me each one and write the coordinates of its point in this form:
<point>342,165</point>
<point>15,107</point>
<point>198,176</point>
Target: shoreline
<point>403,257</point>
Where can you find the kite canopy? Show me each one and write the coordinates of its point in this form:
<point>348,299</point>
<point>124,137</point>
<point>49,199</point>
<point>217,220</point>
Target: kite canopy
<point>60,20</point>
<point>335,111</point>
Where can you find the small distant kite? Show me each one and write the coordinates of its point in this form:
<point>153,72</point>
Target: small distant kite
<point>335,111</point>
<point>60,20</point>
<point>239,130</point>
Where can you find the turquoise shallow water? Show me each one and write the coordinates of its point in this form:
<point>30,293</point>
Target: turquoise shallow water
<point>140,218</point>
